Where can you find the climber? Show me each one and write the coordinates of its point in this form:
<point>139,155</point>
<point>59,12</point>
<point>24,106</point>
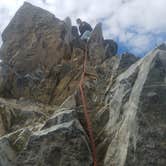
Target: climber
<point>85,29</point>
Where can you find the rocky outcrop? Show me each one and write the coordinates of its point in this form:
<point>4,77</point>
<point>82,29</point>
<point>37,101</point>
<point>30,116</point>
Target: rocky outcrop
<point>62,143</point>
<point>41,111</point>
<point>42,57</point>
<point>30,40</point>
<point>16,114</point>
<point>11,145</point>
<point>134,133</point>
<point>33,43</point>
<point>96,47</point>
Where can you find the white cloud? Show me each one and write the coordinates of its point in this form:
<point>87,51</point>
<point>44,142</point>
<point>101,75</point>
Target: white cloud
<point>133,22</point>
<point>140,43</point>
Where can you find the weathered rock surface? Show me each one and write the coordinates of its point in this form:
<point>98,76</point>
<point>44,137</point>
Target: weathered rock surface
<point>11,145</point>
<point>134,133</point>
<point>42,58</point>
<point>41,111</point>
<point>63,143</point>
<point>34,42</point>
<point>31,39</point>
<point>18,114</point>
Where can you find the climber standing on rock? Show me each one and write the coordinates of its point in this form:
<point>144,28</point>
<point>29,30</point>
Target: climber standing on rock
<point>85,29</point>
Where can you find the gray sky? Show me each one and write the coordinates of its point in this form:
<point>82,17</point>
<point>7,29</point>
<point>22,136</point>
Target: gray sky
<point>137,24</point>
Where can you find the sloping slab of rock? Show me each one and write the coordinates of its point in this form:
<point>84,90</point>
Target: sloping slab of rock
<point>61,145</point>
<point>136,129</point>
<point>62,117</point>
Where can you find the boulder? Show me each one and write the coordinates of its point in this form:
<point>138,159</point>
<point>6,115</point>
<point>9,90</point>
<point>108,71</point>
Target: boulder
<point>61,145</point>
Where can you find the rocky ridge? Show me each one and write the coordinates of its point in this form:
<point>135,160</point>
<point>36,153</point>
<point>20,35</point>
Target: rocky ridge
<point>41,117</point>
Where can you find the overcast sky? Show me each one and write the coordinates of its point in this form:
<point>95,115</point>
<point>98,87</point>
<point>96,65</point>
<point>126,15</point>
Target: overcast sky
<point>137,25</point>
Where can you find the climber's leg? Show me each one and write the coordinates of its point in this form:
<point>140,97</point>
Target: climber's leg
<point>86,36</point>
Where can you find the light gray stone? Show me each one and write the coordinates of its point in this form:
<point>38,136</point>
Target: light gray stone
<point>136,119</point>
<point>59,145</point>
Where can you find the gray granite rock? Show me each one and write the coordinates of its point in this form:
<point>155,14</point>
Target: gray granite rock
<point>61,145</point>
<point>135,131</point>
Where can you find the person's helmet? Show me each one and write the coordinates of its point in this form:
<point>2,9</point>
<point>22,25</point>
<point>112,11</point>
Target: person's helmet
<point>79,21</point>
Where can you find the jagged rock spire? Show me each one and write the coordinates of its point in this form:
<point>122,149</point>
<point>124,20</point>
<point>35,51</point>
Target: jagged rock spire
<point>97,34</point>
<point>68,36</point>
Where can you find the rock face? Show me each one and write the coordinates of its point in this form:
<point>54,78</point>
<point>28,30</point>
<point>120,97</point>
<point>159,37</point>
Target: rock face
<point>136,105</point>
<point>125,62</point>
<point>11,145</point>
<point>40,49</point>
<point>41,112</point>
<point>33,43</point>
<point>63,143</point>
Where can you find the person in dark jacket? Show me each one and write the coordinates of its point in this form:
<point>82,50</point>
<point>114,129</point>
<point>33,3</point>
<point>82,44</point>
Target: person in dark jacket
<point>83,27</point>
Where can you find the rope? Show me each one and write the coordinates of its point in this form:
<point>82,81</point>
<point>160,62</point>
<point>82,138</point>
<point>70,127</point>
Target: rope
<point>86,114</point>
